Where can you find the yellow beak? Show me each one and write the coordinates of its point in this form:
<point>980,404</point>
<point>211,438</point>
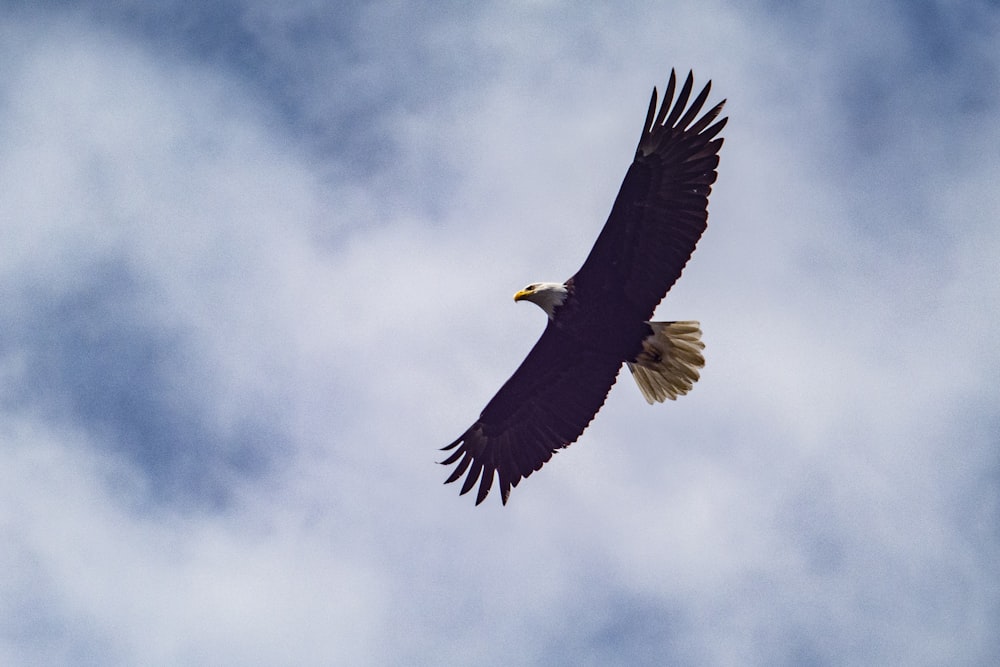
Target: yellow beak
<point>520,295</point>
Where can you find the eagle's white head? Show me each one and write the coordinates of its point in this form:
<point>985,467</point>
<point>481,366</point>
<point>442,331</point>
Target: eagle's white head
<point>548,296</point>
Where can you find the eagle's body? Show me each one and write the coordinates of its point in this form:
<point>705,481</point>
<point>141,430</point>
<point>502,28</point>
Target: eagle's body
<point>599,318</point>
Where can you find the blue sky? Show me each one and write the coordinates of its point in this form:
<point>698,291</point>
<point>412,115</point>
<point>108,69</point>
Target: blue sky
<point>257,266</point>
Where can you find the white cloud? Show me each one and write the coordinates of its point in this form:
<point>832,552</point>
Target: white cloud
<point>289,295</point>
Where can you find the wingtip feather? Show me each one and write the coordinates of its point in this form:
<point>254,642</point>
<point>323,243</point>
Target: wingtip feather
<point>485,484</point>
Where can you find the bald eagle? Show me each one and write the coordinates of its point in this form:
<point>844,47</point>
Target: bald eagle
<point>599,318</point>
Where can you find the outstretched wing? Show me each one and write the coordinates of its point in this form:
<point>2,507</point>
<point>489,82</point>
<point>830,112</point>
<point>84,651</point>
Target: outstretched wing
<point>662,208</point>
<point>543,407</point>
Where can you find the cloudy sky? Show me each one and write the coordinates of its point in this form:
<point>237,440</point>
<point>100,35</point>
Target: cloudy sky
<point>256,266</point>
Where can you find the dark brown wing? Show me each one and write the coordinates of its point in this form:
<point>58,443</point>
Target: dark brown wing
<point>544,406</point>
<point>662,208</point>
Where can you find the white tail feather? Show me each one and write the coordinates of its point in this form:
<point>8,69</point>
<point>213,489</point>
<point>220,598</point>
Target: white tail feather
<point>668,365</point>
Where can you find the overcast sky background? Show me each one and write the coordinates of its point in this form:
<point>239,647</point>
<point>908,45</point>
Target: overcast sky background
<point>256,266</point>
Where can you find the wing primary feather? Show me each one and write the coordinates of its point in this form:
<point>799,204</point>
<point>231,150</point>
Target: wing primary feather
<point>454,456</point>
<point>715,129</point>
<point>470,481</point>
<point>648,125</point>
<point>504,481</point>
<point>668,98</point>
<point>682,100</point>
<point>509,465</point>
<point>709,116</point>
<point>485,483</point>
<point>695,107</point>
<point>462,466</point>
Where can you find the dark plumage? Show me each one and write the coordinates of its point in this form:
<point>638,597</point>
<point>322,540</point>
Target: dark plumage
<point>598,319</point>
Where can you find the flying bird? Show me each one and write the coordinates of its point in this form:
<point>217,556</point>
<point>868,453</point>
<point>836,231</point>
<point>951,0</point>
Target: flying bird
<point>599,318</point>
